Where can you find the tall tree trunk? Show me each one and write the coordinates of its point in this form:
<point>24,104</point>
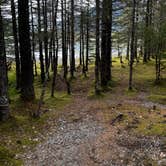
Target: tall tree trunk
<point>128,47</point>
<point>87,36</point>
<point>51,40</point>
<point>68,38</point>
<point>161,42</point>
<point>136,33</point>
<point>97,60</point>
<point>55,52</point>
<point>33,40</point>
<point>72,40</point>
<point>4,104</point>
<point>16,47</point>
<point>46,36</point>
<point>106,42</point>
<point>146,42</point>
<point>83,48</point>
<point>132,46</point>
<point>80,58</point>
<point>64,55</point>
<point>42,74</point>
<point>82,40</point>
<point>27,89</point>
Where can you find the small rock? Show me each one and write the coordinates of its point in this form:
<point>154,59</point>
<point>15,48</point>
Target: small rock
<point>36,140</point>
<point>162,155</point>
<point>24,147</point>
<point>16,156</point>
<point>113,108</point>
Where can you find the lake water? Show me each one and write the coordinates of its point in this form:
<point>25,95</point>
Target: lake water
<point>77,53</point>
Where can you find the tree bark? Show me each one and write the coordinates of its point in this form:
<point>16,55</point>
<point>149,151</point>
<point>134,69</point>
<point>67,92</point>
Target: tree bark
<point>106,42</point>
<point>45,19</point>
<point>64,55</point>
<point>72,40</point>
<point>42,74</point>
<point>132,46</point>
<point>4,104</point>
<point>87,36</point>
<point>16,47</point>
<point>27,89</point>
<point>33,40</point>
<point>97,60</point>
<point>55,52</point>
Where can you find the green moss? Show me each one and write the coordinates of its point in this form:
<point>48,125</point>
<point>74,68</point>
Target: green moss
<point>28,142</point>
<point>131,93</point>
<point>158,98</point>
<point>93,96</point>
<point>84,78</point>
<point>158,129</point>
<point>7,158</point>
<point>58,101</point>
<point>113,82</point>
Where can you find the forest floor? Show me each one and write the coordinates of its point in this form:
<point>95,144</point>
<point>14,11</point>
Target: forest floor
<point>117,128</point>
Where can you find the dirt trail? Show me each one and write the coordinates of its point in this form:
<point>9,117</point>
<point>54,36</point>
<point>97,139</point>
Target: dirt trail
<point>83,139</point>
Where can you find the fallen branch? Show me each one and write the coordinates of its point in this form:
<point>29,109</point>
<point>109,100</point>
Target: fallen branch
<point>118,118</point>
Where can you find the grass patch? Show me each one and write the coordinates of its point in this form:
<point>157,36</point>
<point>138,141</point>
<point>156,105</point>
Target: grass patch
<point>158,98</point>
<point>152,129</point>
<point>58,101</point>
<point>131,93</point>
<point>8,158</point>
<point>93,96</point>
<point>21,131</point>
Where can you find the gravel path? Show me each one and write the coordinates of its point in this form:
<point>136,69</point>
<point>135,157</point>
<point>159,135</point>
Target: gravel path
<point>67,145</point>
<point>87,142</point>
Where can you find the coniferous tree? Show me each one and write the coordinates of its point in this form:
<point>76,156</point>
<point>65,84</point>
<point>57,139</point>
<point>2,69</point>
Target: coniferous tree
<point>87,35</point>
<point>4,104</point>
<point>82,39</point>
<point>45,22</point>
<point>64,54</point>
<point>106,42</point>
<point>40,42</point>
<point>132,46</point>
<point>97,60</point>
<point>55,40</point>
<point>27,89</point>
<point>72,39</point>
<point>33,38</point>
<point>16,46</point>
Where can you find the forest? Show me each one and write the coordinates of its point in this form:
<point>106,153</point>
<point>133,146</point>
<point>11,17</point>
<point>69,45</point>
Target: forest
<point>83,82</point>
